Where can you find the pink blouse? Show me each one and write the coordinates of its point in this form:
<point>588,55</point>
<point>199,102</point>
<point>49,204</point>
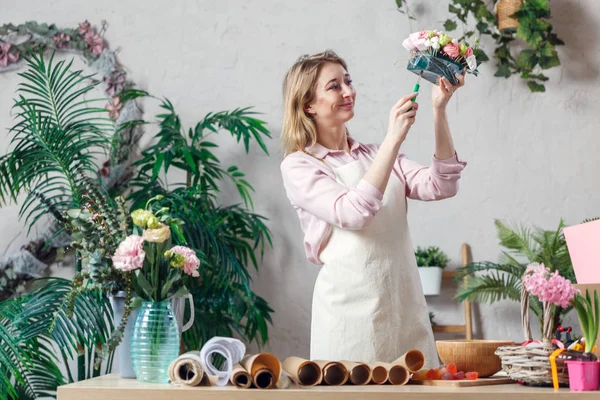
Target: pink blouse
<point>321,201</point>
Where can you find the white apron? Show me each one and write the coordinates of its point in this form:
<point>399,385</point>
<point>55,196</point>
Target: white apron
<point>368,303</point>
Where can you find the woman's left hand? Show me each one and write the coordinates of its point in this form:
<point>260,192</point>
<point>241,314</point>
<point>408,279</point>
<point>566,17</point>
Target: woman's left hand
<point>442,92</point>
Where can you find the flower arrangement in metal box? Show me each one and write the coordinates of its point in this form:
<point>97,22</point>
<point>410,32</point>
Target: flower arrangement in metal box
<point>435,54</point>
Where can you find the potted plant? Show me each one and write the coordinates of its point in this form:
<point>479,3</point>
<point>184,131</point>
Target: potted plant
<point>431,261</point>
<point>489,282</point>
<point>584,373</point>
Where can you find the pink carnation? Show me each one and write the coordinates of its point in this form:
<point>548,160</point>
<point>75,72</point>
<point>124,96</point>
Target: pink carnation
<point>191,260</point>
<point>130,254</point>
<point>452,49</point>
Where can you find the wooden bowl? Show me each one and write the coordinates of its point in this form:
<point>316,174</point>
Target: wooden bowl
<point>472,355</point>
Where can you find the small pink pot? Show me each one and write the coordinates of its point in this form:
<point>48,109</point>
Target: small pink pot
<point>584,375</point>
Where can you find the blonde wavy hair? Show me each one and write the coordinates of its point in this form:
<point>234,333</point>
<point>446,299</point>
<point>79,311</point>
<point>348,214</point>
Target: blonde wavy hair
<point>299,86</point>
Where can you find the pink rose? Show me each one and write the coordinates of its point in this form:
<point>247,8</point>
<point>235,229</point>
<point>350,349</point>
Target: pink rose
<point>191,260</point>
<point>414,41</point>
<point>452,49</point>
<point>469,52</point>
<point>130,254</point>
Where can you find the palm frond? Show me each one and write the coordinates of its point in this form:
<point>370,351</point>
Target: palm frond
<point>518,239</point>
<point>31,371</point>
<point>55,139</point>
<point>491,288</point>
<point>516,270</point>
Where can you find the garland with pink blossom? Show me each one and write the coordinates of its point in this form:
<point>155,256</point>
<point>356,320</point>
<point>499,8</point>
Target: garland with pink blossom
<point>16,41</point>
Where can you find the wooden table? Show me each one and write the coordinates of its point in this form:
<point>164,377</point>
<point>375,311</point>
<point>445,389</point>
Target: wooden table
<point>111,387</point>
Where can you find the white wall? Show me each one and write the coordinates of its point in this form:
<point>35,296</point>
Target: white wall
<point>532,157</point>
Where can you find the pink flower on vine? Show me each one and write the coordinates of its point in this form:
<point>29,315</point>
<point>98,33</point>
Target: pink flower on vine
<point>84,27</point>
<point>113,107</point>
<point>61,40</point>
<point>115,82</point>
<point>95,42</point>
<point>6,57</point>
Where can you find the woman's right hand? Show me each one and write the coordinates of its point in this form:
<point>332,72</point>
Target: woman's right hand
<point>402,116</point>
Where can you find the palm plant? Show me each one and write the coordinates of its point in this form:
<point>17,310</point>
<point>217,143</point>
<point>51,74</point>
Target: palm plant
<point>502,280</point>
<point>52,158</point>
<point>226,238</point>
<point>35,325</point>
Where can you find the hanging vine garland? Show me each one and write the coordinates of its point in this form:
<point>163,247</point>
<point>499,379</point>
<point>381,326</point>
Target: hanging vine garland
<point>33,259</point>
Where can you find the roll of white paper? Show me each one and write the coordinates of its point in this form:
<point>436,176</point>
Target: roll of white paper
<point>233,350</point>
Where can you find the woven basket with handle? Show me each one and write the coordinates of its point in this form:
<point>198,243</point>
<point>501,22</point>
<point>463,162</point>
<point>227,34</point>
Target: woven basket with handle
<point>528,364</point>
<point>504,10</point>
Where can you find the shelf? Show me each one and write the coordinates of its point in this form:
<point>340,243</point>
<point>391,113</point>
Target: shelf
<point>114,388</point>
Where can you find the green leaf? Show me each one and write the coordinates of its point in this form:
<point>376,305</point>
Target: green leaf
<point>143,284</point>
<point>526,60</point>
<point>536,87</point>
<point>549,62</point>
<point>503,71</point>
<point>449,25</point>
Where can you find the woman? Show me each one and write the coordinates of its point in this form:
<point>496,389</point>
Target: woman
<point>368,304</point>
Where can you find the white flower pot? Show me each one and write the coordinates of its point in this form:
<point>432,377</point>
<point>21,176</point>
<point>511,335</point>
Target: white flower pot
<point>431,280</point>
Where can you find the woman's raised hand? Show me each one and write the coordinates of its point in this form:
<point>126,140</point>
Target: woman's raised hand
<point>402,116</point>
<point>442,92</point>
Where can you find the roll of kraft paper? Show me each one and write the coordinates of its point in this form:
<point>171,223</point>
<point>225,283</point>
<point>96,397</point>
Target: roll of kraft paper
<point>396,374</point>
<point>231,349</point>
<point>413,360</point>
<point>360,374</point>
<point>303,372</point>
<point>334,373</point>
<point>240,377</point>
<point>264,368</point>
<point>379,373</point>
<point>187,370</point>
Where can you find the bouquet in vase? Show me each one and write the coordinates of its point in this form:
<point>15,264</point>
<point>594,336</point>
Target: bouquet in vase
<point>435,54</point>
<point>155,269</point>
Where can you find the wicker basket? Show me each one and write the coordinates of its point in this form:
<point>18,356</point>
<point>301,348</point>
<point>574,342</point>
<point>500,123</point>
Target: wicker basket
<point>529,364</point>
<point>504,10</point>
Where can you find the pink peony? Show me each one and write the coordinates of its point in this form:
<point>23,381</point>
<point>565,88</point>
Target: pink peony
<point>191,260</point>
<point>84,27</point>
<point>130,254</point>
<point>6,57</point>
<point>452,49</point>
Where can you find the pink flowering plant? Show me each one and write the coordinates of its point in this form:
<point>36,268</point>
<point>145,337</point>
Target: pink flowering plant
<point>551,289</point>
<point>435,54</point>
